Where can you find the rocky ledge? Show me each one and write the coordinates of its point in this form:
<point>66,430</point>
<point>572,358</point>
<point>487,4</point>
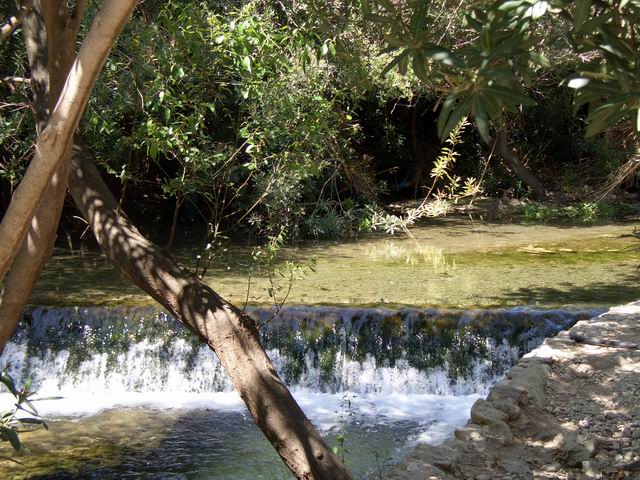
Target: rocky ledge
<point>568,410</point>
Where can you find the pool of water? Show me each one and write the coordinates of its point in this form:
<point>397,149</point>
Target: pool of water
<point>451,262</point>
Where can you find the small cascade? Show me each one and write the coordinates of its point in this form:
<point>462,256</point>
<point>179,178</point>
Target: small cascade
<point>382,379</point>
<point>316,349</point>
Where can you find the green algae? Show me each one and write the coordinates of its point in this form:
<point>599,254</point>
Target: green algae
<point>449,263</point>
<point>74,447</point>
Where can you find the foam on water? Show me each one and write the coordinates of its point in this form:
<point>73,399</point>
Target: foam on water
<point>383,366</point>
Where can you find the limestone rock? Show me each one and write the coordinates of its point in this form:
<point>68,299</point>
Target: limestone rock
<point>499,432</point>
<point>577,448</point>
<point>483,413</point>
<point>471,432</point>
<point>508,406</point>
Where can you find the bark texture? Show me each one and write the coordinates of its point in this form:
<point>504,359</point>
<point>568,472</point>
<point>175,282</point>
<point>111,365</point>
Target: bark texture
<point>231,334</point>
<point>50,35</point>
<point>55,141</point>
<point>512,159</point>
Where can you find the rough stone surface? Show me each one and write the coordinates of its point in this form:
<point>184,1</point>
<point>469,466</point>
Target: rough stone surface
<point>567,411</point>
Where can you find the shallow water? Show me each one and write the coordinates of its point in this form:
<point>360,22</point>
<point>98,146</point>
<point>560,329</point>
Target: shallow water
<point>451,262</point>
<point>222,445</point>
<point>151,414</point>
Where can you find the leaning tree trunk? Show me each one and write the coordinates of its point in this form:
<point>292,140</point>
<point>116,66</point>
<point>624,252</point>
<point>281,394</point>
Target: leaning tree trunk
<point>54,142</point>
<point>50,32</point>
<point>512,159</point>
<point>231,334</point>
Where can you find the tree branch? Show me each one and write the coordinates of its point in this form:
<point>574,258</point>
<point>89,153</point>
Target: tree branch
<point>56,139</point>
<point>231,334</point>
<point>11,24</point>
<point>37,245</point>
<point>512,159</point>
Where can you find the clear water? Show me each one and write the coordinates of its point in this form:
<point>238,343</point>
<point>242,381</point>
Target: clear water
<point>451,262</point>
<point>143,399</point>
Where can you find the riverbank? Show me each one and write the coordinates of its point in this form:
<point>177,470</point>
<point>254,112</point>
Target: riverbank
<point>567,410</point>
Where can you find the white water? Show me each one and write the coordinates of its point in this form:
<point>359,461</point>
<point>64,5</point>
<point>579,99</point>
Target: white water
<point>165,370</point>
<point>136,378</point>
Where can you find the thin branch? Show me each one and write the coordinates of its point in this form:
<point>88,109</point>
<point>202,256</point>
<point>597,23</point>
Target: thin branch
<point>15,80</point>
<point>11,24</point>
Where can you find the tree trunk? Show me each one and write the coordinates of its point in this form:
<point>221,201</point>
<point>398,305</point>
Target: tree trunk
<point>55,141</point>
<point>50,35</point>
<point>50,32</point>
<point>512,158</point>
<point>232,335</point>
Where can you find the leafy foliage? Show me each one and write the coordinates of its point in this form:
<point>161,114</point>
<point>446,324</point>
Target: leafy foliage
<point>485,78</point>
<point>23,417</point>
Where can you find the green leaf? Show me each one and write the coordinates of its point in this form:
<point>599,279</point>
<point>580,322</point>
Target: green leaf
<point>442,55</point>
<point>488,104</point>
<point>539,59</point>
<point>472,22</point>
<point>605,116</point>
<point>34,421</point>
<point>510,5</point>
<point>418,19</point>
<point>456,116</point>
<point>583,7</point>
<point>638,121</point>
<point>394,41</point>
<point>396,61</point>
<point>418,66</point>
<point>445,112</point>
<point>510,96</point>
<point>379,19</point>
<point>324,50</point>
<point>7,381</point>
<point>246,62</point>
<point>482,124</point>
<point>403,65</point>
<point>12,436</point>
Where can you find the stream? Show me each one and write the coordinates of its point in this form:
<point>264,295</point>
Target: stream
<point>387,343</point>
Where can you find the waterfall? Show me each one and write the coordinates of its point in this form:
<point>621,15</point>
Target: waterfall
<point>118,351</point>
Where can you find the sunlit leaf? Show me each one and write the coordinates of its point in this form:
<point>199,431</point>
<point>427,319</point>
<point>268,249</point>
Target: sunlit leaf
<point>539,9</point>
<point>576,83</point>
<point>482,124</point>
<point>442,55</point>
